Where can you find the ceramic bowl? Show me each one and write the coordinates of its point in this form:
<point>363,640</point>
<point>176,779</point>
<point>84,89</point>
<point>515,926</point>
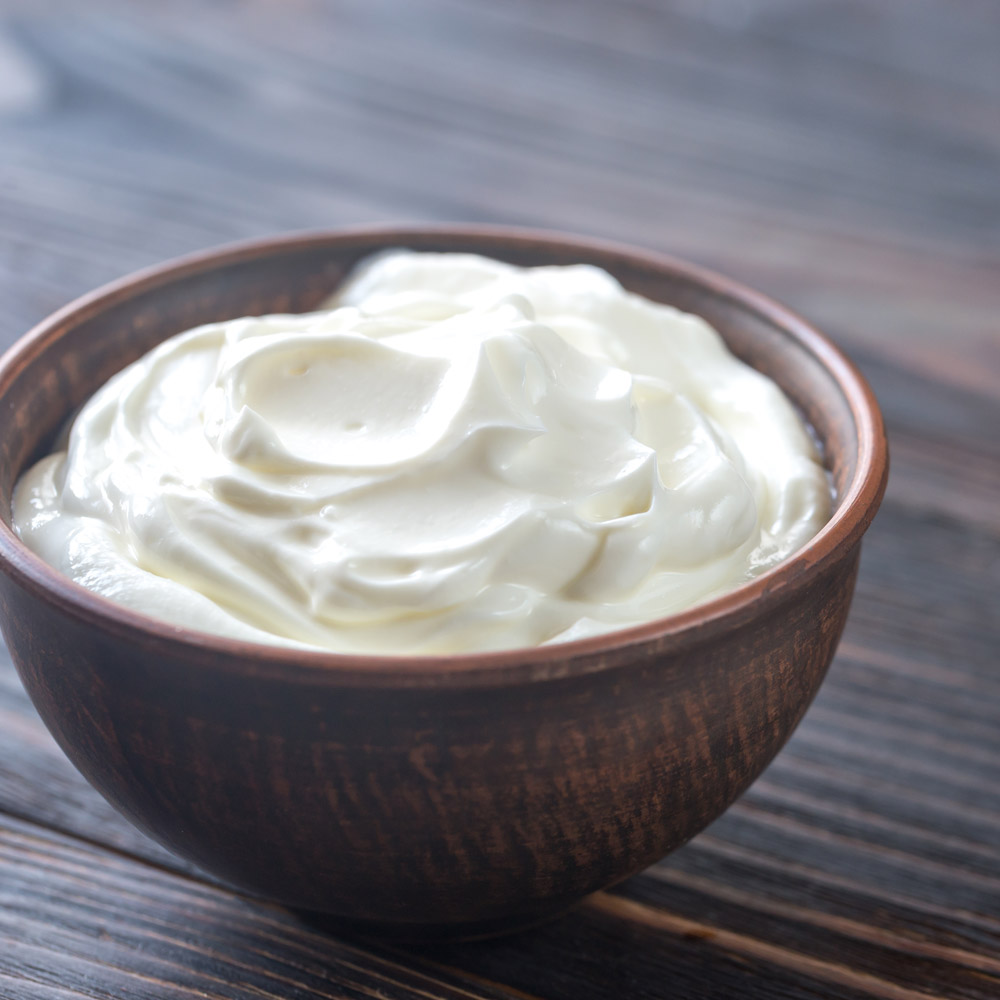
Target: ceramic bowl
<point>422,796</point>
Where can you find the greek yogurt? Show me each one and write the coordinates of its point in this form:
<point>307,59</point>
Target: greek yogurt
<point>455,454</point>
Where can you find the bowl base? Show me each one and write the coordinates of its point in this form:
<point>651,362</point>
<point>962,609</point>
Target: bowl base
<point>427,933</point>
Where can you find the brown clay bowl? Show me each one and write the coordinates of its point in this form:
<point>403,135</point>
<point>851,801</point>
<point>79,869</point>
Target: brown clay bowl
<point>421,796</point>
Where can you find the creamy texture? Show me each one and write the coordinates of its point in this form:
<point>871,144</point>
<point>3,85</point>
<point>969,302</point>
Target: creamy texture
<point>457,455</point>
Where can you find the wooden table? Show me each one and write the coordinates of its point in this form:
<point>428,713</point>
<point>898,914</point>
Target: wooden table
<point>844,156</point>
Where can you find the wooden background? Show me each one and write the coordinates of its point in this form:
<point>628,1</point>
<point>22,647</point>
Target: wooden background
<point>844,156</point>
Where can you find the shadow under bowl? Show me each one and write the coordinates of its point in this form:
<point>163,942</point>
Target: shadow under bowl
<point>426,796</point>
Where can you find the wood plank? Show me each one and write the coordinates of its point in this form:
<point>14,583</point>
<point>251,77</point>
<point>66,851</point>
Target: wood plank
<point>76,918</point>
<point>897,277</point>
<point>83,919</point>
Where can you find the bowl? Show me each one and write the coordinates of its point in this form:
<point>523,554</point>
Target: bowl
<point>426,796</point>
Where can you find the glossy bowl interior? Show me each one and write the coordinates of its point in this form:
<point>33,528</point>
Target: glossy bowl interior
<point>426,795</point>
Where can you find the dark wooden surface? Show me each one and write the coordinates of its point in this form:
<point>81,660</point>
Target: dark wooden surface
<point>844,156</point>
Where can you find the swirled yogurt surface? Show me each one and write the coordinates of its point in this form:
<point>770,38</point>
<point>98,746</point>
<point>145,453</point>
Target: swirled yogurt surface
<point>456,455</point>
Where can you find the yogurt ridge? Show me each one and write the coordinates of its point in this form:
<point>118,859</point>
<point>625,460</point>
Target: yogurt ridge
<point>457,455</point>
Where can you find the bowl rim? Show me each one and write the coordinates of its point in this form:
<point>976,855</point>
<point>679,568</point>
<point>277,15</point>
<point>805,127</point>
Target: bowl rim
<point>839,535</point>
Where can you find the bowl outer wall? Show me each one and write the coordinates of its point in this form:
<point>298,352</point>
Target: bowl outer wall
<point>127,698</point>
<point>412,805</point>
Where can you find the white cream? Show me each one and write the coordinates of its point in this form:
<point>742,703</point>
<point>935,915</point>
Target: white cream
<point>458,455</point>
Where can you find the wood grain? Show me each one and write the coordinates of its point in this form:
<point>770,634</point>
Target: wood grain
<point>843,156</point>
